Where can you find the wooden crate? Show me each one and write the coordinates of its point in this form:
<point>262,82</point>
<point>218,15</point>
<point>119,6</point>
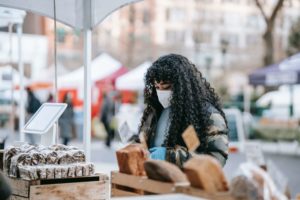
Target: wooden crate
<point>201,193</point>
<point>92,187</point>
<point>129,185</point>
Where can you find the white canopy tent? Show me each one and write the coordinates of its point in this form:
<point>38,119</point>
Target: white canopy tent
<point>133,80</point>
<point>101,67</point>
<point>82,14</point>
<point>8,17</point>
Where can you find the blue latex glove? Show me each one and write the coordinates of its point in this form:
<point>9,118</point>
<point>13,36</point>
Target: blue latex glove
<point>158,153</point>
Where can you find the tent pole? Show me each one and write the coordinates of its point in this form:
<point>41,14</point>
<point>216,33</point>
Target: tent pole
<point>21,73</point>
<point>87,40</point>
<point>291,107</point>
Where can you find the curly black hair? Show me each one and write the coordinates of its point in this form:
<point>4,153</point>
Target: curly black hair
<point>191,98</point>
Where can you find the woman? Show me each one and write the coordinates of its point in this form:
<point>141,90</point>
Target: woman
<point>66,120</point>
<point>176,96</point>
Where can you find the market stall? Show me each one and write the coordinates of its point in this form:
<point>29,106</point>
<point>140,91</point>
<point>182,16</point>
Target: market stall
<point>82,14</point>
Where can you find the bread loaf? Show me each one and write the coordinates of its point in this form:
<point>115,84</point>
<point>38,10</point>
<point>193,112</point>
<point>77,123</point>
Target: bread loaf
<point>164,171</point>
<point>131,159</point>
<point>205,172</point>
<point>243,188</point>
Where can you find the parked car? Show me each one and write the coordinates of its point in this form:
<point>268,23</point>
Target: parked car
<point>239,125</point>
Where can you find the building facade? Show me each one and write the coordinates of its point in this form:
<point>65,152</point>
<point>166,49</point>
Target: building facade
<point>212,33</point>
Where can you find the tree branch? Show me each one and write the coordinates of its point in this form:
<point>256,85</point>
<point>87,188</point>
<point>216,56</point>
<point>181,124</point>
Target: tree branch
<point>276,10</point>
<point>258,4</point>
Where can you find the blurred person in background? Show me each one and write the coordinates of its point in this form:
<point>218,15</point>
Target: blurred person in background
<point>50,98</point>
<point>33,104</point>
<point>110,102</point>
<point>176,96</point>
<point>66,121</point>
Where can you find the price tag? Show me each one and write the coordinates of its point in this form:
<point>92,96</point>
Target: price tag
<point>191,139</point>
<point>125,132</point>
<point>254,153</point>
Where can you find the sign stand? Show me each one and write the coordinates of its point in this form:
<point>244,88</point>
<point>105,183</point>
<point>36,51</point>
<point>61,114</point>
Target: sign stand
<point>43,120</point>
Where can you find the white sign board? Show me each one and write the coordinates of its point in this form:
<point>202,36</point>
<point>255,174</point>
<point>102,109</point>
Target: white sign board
<point>44,118</point>
<point>125,133</point>
<point>254,153</point>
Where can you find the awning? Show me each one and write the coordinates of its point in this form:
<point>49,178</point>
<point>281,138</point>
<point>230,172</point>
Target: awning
<point>285,72</point>
<point>82,14</point>
<point>133,80</point>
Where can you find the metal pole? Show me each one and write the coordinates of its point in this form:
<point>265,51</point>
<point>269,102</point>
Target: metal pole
<point>87,40</point>
<point>55,137</point>
<point>21,89</point>
<point>12,115</point>
<point>291,107</point>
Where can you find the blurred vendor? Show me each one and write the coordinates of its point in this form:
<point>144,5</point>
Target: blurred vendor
<point>176,96</point>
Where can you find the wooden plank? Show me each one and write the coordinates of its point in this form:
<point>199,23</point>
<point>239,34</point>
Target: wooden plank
<point>115,192</point>
<point>15,197</point>
<point>21,187</point>
<point>201,193</point>
<point>97,190</point>
<point>142,183</point>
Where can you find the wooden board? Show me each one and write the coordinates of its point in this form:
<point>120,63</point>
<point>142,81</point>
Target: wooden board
<point>95,190</point>
<point>21,187</point>
<point>15,197</point>
<point>139,183</point>
<point>122,193</point>
<point>201,193</point>
<point>91,187</point>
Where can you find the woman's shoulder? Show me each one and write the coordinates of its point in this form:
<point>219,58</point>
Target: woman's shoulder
<point>217,121</point>
<point>211,108</point>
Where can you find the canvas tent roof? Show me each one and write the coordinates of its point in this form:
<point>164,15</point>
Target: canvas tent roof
<point>285,72</point>
<point>82,14</point>
<point>102,66</point>
<point>134,79</point>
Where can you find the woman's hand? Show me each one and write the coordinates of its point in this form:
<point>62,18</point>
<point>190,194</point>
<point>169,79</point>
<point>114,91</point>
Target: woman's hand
<point>158,153</point>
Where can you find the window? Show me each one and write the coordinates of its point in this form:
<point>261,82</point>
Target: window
<point>175,36</point>
<point>146,17</point>
<point>175,14</point>
<point>61,35</point>
<point>252,39</point>
<point>202,37</point>
<point>233,39</point>
<point>252,21</point>
<point>231,1</point>
<point>204,1</point>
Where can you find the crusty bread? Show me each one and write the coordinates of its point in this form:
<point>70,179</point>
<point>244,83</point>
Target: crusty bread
<point>131,159</point>
<point>205,172</point>
<point>164,171</point>
<point>243,188</point>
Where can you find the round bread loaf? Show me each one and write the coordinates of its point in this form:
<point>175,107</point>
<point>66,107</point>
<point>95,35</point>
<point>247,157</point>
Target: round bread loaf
<point>164,171</point>
<point>205,172</point>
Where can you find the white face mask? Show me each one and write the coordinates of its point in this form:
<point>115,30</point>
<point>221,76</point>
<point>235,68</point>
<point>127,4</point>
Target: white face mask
<point>164,97</point>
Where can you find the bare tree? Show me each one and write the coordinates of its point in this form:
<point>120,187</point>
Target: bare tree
<point>294,39</point>
<point>268,34</point>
